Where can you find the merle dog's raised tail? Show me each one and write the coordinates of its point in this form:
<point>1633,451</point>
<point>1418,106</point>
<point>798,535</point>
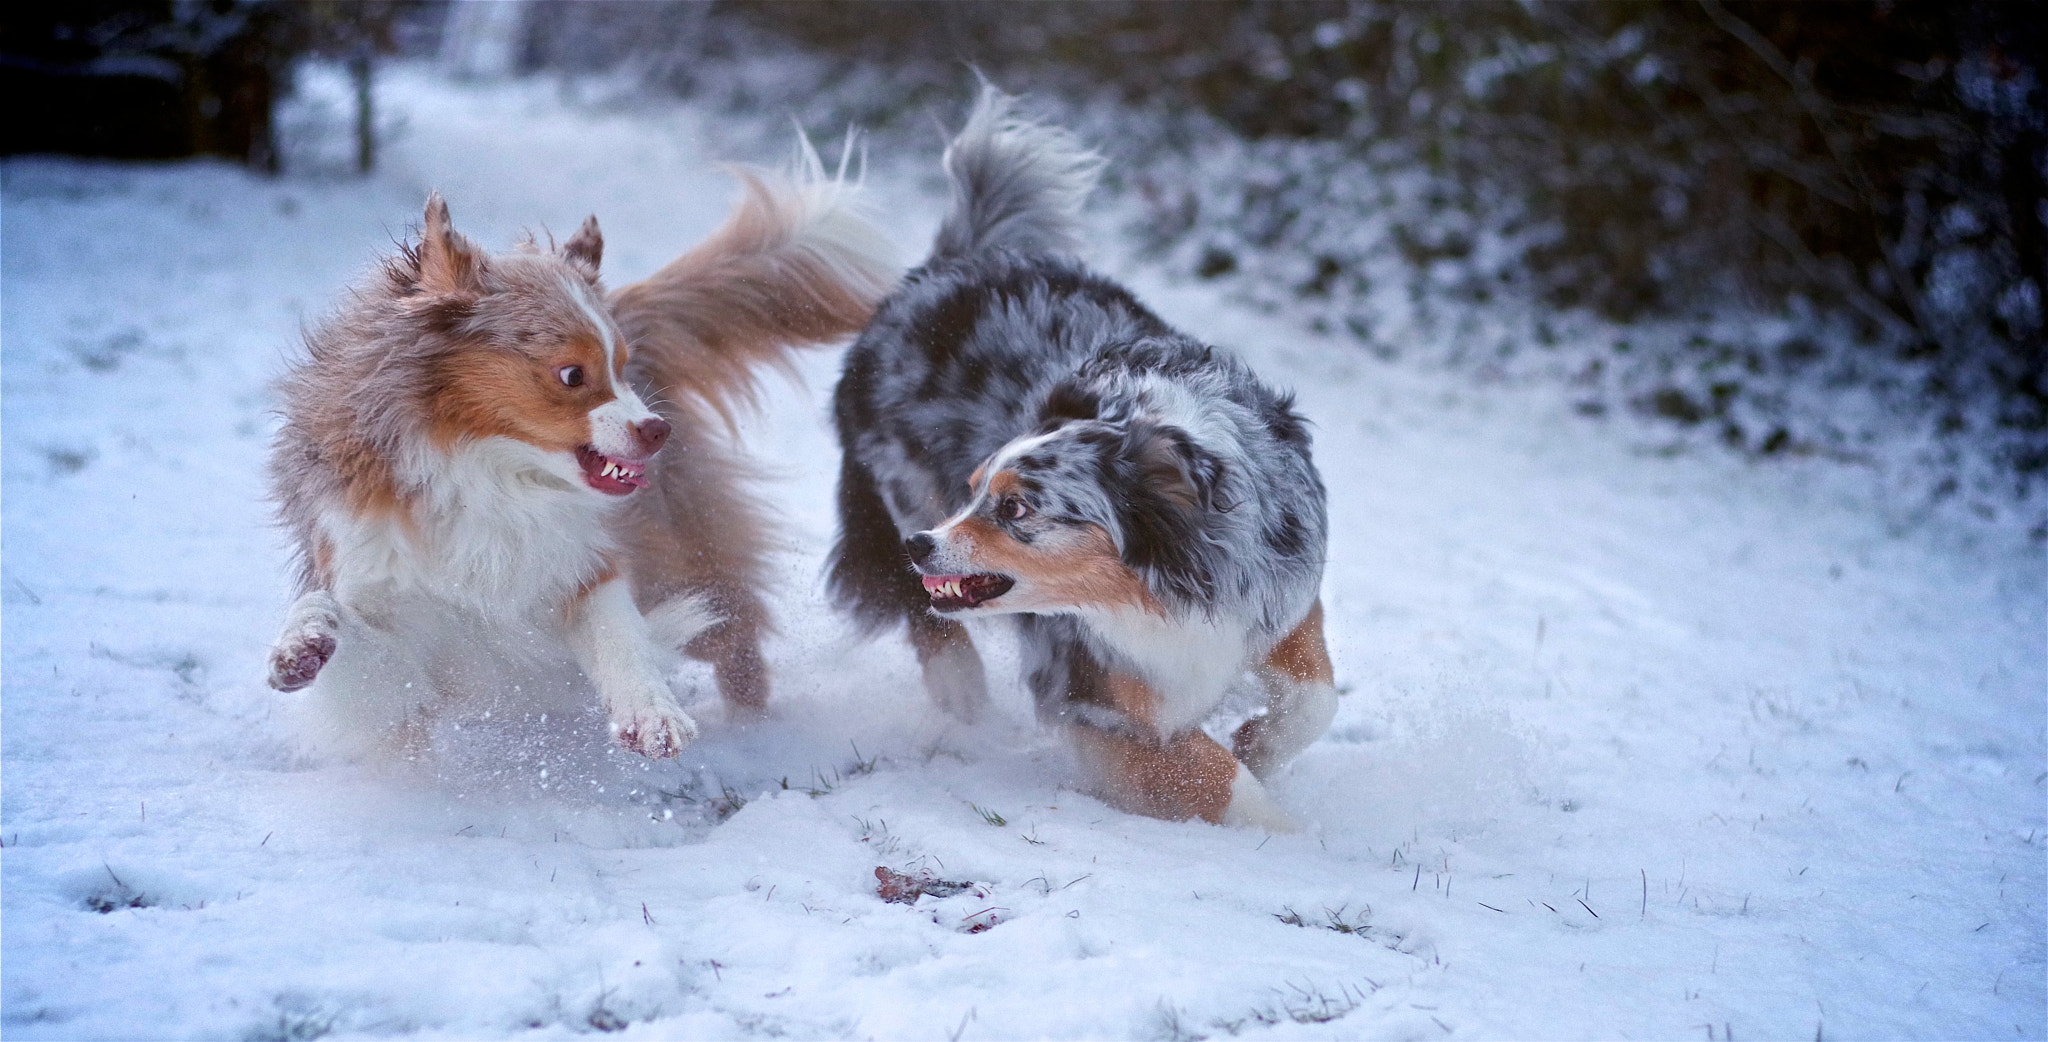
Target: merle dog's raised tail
<point>1017,185</point>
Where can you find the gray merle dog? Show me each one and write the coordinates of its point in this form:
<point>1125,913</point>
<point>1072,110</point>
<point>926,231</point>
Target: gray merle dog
<point>1023,437</point>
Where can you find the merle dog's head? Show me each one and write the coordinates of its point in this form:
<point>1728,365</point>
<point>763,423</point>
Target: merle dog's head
<point>1090,511</point>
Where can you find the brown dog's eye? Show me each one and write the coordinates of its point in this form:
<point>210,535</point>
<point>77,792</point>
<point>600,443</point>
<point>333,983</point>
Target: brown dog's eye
<point>572,375</point>
<point>1014,509</point>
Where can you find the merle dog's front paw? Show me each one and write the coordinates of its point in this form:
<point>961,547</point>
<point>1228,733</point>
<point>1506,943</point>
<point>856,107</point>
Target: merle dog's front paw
<point>297,660</point>
<point>956,681</point>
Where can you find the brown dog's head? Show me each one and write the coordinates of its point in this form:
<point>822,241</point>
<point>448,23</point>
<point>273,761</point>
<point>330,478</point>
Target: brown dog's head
<point>527,351</point>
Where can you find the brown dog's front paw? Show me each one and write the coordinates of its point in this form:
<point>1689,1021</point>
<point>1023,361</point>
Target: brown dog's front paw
<point>296,662</point>
<point>655,733</point>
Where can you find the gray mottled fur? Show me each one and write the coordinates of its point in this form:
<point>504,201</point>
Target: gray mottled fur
<point>1016,184</point>
<point>1197,470</point>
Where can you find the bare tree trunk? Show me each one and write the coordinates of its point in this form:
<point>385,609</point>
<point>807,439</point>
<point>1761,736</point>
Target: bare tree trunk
<point>366,129</point>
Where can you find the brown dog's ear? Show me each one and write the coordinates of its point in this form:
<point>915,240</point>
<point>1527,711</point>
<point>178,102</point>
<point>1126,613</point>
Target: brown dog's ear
<point>585,249</point>
<point>449,263</point>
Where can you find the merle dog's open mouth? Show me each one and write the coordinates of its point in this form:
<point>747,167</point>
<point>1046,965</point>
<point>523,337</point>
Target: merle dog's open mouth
<point>960,592</point>
<point>609,474</point>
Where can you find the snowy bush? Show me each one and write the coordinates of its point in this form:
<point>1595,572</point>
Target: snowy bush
<point>1789,228</point>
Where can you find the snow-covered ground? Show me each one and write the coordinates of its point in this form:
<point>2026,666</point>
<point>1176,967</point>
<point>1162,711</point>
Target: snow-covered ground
<point>1636,744</point>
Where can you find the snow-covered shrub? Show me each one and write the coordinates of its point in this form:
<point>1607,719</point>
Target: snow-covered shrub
<point>1825,219</point>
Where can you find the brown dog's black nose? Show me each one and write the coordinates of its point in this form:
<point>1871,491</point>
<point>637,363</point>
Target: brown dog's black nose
<point>920,547</point>
<point>653,434</point>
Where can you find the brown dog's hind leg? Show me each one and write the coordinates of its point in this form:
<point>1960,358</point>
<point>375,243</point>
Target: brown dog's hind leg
<point>697,530</point>
<point>733,647</point>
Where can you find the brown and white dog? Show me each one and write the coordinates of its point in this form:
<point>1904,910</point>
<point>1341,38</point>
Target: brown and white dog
<point>487,460</point>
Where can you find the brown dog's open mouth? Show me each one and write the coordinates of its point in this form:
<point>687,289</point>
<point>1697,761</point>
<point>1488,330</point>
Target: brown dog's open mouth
<point>960,592</point>
<point>609,474</point>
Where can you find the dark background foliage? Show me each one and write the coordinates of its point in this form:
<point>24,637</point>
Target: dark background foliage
<point>156,79</point>
<point>1886,163</point>
<point>1880,165</point>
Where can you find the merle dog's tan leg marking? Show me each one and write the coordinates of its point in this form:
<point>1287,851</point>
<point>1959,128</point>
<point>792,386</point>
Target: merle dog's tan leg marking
<point>1301,699</point>
<point>953,671</point>
<point>1188,775</point>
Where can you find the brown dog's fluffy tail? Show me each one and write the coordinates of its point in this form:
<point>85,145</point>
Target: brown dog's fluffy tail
<point>795,265</point>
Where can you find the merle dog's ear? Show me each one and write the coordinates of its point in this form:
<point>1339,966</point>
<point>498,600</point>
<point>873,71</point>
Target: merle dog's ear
<point>448,263</point>
<point>585,249</point>
<point>1171,464</point>
<point>1067,404</point>
<point>1174,484</point>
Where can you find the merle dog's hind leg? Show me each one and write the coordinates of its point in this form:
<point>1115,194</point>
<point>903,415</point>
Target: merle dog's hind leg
<point>307,642</point>
<point>1301,699</point>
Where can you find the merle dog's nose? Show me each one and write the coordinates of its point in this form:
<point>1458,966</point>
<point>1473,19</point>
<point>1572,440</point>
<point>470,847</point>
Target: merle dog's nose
<point>920,547</point>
